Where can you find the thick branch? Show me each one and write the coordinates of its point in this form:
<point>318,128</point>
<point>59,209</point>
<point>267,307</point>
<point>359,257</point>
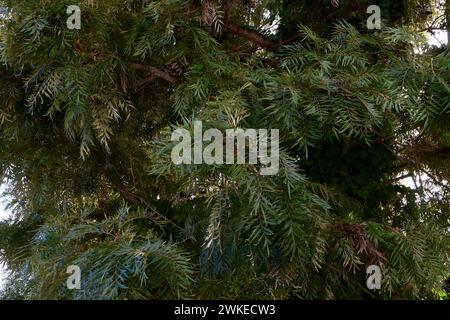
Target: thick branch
<point>253,36</point>
<point>154,72</point>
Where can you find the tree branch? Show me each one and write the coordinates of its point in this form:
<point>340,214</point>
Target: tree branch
<point>253,36</point>
<point>398,178</point>
<point>154,72</point>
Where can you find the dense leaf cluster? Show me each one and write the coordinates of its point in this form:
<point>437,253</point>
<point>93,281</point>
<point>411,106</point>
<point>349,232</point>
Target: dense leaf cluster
<point>85,123</point>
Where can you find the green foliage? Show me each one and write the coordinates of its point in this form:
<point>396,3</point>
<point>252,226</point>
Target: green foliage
<point>85,124</point>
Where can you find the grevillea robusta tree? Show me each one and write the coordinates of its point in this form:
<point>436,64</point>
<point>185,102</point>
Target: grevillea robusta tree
<point>85,140</point>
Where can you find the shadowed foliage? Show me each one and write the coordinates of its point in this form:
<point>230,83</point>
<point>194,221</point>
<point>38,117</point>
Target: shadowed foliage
<point>85,123</point>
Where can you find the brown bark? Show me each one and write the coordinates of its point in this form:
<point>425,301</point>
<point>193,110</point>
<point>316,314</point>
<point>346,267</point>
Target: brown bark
<point>154,72</point>
<point>253,36</point>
